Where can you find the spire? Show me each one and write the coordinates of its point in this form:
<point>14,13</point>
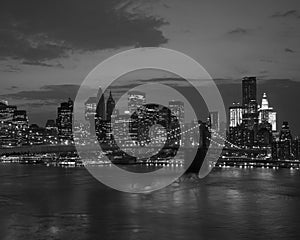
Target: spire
<point>110,95</point>
<point>264,102</point>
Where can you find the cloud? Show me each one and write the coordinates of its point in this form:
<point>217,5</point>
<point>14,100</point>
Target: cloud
<point>10,68</point>
<point>12,88</point>
<point>239,31</point>
<point>36,30</point>
<point>288,50</point>
<point>41,64</point>
<point>290,13</point>
<point>53,93</point>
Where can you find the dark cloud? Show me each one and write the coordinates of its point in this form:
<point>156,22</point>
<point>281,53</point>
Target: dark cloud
<point>41,30</point>
<point>12,88</point>
<point>288,50</point>
<point>54,93</point>
<point>290,13</point>
<point>239,31</point>
<point>41,64</point>
<point>10,68</point>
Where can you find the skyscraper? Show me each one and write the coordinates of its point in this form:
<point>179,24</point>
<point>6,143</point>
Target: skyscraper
<point>285,142</point>
<point>214,120</point>
<point>110,106</point>
<point>100,111</point>
<point>250,116</point>
<point>20,124</point>
<point>177,109</point>
<point>235,115</point>
<point>248,90</point>
<point>136,99</point>
<point>64,121</point>
<point>285,133</point>
<point>267,114</point>
<point>90,108</point>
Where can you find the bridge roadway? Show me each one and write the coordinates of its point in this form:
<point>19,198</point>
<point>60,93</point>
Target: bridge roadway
<point>72,148</point>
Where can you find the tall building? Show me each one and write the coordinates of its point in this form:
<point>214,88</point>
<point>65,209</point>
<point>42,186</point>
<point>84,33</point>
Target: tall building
<point>248,90</point>
<point>20,124</point>
<point>90,108</point>
<point>110,106</point>
<point>136,99</point>
<point>64,121</point>
<point>214,120</point>
<point>285,133</point>
<point>250,115</point>
<point>235,115</point>
<point>267,114</point>
<point>177,110</point>
<point>20,119</point>
<point>100,111</point>
<point>90,112</point>
<point>282,149</point>
<point>7,130</point>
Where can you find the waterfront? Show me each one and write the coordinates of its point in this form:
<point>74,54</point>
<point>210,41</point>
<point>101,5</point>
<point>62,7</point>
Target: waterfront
<point>39,202</point>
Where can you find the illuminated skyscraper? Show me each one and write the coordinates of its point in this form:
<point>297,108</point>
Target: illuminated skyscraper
<point>267,114</point>
<point>235,115</point>
<point>177,109</point>
<point>7,130</point>
<point>248,90</point>
<point>64,121</point>
<point>20,125</point>
<point>90,108</point>
<point>136,99</point>
<point>250,115</point>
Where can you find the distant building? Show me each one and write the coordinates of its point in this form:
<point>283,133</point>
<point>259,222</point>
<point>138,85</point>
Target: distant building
<point>51,125</point>
<point>110,106</point>
<point>120,131</point>
<point>282,149</point>
<point>177,110</point>
<point>248,90</point>
<point>7,130</point>
<point>136,99</point>
<point>235,115</point>
<point>100,110</point>
<point>90,108</point>
<point>214,120</point>
<point>267,114</point>
<point>64,121</point>
<point>250,114</point>
<point>20,125</point>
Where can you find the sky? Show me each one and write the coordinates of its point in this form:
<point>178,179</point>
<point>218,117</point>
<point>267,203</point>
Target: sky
<point>47,48</point>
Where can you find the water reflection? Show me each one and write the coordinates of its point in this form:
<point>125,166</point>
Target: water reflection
<point>55,203</point>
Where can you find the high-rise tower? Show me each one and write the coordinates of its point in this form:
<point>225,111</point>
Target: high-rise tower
<point>110,106</point>
<point>100,111</point>
<point>248,90</point>
<point>64,121</point>
<point>266,113</point>
<point>136,99</point>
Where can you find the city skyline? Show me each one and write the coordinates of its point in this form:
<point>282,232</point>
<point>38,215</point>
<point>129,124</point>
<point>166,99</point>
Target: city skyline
<point>42,66</point>
<point>93,100</point>
<point>149,119</point>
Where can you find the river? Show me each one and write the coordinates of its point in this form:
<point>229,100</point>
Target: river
<point>39,202</point>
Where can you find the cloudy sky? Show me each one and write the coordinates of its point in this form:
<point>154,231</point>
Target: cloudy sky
<point>48,47</point>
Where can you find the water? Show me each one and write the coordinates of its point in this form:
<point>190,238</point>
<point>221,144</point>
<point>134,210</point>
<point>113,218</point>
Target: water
<point>38,202</point>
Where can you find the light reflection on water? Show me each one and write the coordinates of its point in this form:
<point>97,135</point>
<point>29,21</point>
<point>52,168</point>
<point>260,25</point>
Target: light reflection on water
<point>37,202</point>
